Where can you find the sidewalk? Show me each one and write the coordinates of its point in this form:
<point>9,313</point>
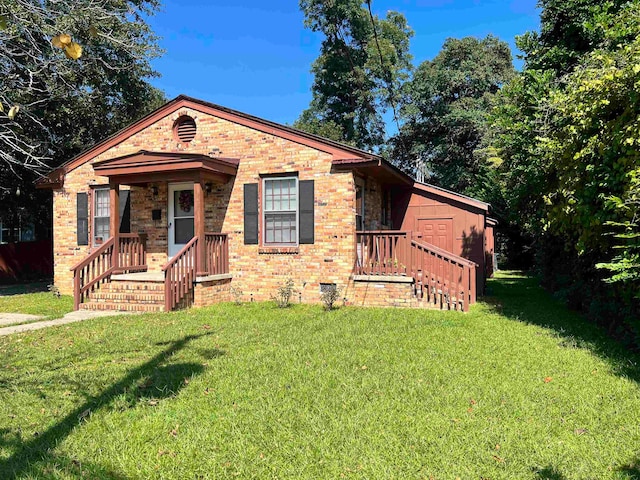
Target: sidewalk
<point>71,317</point>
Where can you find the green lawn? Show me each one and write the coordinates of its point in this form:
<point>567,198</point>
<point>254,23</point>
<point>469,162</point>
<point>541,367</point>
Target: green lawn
<point>517,388</point>
<point>41,303</point>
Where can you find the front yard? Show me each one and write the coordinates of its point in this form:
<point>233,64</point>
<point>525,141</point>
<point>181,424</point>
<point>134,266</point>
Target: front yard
<point>517,388</point>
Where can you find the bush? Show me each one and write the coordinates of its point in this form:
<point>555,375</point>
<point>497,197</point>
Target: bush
<point>329,296</point>
<point>283,296</point>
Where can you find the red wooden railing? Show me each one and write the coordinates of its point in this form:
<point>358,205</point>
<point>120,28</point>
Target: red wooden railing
<point>217,253</point>
<point>97,267</point>
<point>442,277</point>
<point>132,253</point>
<point>180,276</point>
<point>439,276</point>
<point>91,272</point>
<point>382,252</point>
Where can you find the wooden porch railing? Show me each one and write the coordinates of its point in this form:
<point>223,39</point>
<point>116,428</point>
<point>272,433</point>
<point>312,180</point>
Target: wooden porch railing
<point>217,253</point>
<point>97,267</point>
<point>440,276</point>
<point>180,275</point>
<point>132,253</point>
<point>382,252</point>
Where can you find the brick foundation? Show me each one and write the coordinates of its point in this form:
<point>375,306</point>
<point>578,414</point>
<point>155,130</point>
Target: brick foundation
<point>212,292</point>
<point>381,293</point>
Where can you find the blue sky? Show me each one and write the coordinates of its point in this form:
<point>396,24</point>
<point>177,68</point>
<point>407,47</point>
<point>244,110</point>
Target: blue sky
<point>255,55</point>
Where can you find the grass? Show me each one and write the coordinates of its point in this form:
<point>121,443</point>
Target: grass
<point>44,304</point>
<point>517,388</point>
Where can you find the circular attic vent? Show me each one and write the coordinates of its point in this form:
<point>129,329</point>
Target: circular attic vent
<point>185,129</point>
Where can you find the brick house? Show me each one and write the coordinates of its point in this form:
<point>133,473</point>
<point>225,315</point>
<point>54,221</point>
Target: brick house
<point>195,200</point>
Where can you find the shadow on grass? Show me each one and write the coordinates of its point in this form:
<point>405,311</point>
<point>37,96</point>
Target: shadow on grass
<point>632,471</point>
<point>151,380</point>
<point>549,473</point>
<point>22,288</point>
<point>519,297</point>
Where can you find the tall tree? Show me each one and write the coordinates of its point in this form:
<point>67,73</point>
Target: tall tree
<point>566,132</point>
<point>363,61</point>
<point>445,112</point>
<point>72,73</point>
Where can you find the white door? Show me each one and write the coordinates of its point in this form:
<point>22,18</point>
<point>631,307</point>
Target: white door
<point>180,216</point>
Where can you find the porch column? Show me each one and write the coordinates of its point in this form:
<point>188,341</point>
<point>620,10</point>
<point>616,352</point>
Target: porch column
<point>198,213</point>
<point>114,222</point>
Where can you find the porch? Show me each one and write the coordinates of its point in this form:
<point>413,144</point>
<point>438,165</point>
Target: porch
<point>119,273</point>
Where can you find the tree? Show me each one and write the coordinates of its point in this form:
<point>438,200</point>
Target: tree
<point>445,112</point>
<point>363,61</point>
<point>567,133</point>
<point>72,73</point>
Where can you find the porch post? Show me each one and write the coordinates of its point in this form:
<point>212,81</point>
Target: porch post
<point>198,207</point>
<point>114,222</point>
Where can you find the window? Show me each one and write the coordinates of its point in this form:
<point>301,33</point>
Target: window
<point>100,215</point>
<point>280,211</point>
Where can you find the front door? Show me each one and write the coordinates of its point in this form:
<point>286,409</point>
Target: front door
<point>180,216</point>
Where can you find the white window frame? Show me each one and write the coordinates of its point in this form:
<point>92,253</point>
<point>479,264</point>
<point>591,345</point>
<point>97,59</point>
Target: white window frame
<point>266,212</point>
<point>94,215</point>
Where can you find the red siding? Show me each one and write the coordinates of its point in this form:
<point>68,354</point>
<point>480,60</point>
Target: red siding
<point>464,224</point>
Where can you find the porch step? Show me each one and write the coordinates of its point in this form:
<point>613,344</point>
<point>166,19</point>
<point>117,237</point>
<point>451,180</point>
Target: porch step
<point>117,285</point>
<point>129,293</point>
<point>123,307</point>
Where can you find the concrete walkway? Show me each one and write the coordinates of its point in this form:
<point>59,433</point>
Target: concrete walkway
<point>72,317</point>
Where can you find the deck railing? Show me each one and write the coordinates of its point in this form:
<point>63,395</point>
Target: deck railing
<point>97,267</point>
<point>439,276</point>
<point>180,276</point>
<point>217,253</point>
<point>382,252</point>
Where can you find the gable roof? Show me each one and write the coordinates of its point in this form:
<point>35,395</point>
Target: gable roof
<point>338,150</point>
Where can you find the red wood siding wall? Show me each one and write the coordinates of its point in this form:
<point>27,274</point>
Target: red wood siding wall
<point>460,226</point>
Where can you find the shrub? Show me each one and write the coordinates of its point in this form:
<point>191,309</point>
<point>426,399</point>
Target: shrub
<point>236,293</point>
<point>329,296</point>
<point>283,296</point>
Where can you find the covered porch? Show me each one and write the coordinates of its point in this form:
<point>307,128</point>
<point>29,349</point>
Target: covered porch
<point>192,253</point>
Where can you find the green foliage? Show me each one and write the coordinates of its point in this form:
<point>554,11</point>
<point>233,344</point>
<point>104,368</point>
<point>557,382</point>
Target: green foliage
<point>445,112</point>
<point>363,61</point>
<point>567,135</point>
<point>66,104</point>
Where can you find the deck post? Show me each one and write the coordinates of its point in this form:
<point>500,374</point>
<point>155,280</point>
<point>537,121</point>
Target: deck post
<point>198,207</point>
<point>114,222</point>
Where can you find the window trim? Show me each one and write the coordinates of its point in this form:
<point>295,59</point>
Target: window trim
<point>94,199</point>
<point>264,212</point>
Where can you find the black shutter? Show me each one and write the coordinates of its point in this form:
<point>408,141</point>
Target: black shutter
<point>125,211</point>
<point>306,211</point>
<point>250,213</point>
<point>82,215</point>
